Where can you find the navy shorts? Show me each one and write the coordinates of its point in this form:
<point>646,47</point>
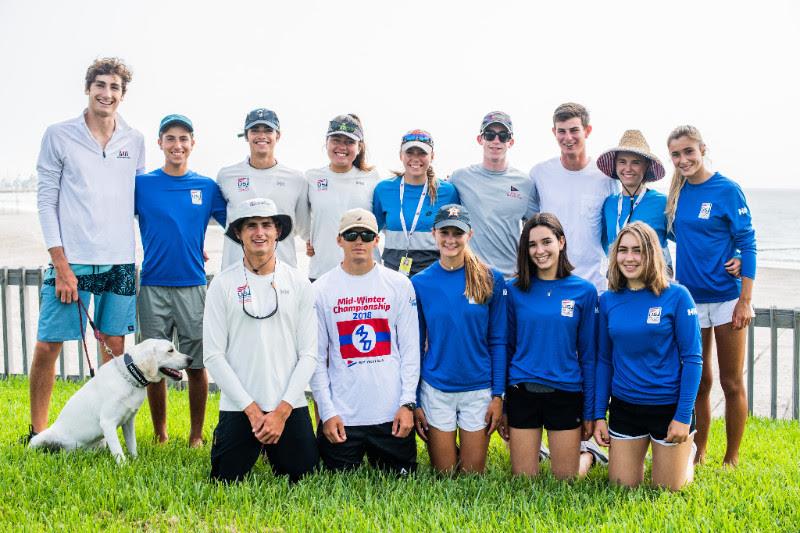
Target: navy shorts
<point>630,421</point>
<point>383,450</point>
<point>557,410</point>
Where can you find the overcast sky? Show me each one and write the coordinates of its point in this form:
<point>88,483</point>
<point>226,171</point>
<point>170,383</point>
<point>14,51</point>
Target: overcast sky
<point>729,68</point>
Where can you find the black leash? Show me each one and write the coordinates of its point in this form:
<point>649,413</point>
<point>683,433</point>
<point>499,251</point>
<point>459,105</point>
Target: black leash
<point>82,309</point>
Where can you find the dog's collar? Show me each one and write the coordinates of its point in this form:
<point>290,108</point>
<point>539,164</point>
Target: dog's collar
<point>132,372</point>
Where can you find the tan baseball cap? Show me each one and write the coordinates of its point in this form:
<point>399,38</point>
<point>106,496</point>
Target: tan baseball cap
<point>358,218</point>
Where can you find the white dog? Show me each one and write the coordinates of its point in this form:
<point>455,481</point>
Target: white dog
<point>111,399</point>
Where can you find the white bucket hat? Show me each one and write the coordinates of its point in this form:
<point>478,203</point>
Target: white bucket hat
<point>257,207</point>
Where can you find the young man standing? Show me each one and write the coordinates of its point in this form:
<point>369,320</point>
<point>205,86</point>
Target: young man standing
<point>365,384</point>
<point>496,195</point>
<point>259,344</point>
<point>262,176</point>
<point>174,205</point>
<point>86,169</point>
<point>574,189</point>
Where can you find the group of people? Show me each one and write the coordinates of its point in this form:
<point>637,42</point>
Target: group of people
<point>474,320</point>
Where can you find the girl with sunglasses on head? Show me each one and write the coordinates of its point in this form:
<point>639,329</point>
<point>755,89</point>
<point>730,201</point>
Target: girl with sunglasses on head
<point>347,182</point>
<point>551,350</point>
<point>462,321</point>
<point>406,205</point>
<point>649,364</point>
<point>710,219</point>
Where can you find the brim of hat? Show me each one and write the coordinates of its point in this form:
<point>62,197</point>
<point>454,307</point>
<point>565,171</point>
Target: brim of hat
<point>256,123</point>
<point>504,124</point>
<point>176,122</point>
<point>284,220</point>
<point>448,223</point>
<point>346,134</point>
<point>360,224</point>
<point>427,148</point>
<point>605,162</point>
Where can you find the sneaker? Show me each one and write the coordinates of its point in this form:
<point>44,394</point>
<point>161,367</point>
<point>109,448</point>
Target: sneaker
<point>589,446</point>
<point>25,439</point>
<point>544,453</point>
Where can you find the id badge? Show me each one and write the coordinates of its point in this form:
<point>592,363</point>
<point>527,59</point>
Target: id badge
<point>405,265</point>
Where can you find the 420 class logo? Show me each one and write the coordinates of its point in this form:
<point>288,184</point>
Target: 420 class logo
<point>364,338</point>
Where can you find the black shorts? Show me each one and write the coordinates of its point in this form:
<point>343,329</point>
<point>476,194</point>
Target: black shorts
<point>383,450</point>
<point>558,410</point>
<point>637,421</point>
<point>235,449</point>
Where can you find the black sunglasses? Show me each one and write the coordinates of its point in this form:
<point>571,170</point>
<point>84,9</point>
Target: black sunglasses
<point>489,135</point>
<point>257,317</point>
<point>366,235</point>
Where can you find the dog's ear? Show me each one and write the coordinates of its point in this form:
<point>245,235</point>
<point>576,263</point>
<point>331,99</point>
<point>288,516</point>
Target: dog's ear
<point>148,364</point>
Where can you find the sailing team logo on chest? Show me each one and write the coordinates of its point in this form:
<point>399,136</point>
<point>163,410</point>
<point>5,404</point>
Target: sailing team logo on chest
<point>705,211</point>
<point>243,294</point>
<point>364,338</point>
<point>654,315</point>
<point>514,193</point>
<point>567,308</point>
<point>197,196</point>
<point>243,184</point>
<point>322,184</point>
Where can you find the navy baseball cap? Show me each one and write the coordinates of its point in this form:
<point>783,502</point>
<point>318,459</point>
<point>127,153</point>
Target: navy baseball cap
<point>497,117</point>
<point>175,120</point>
<point>452,215</point>
<point>263,116</point>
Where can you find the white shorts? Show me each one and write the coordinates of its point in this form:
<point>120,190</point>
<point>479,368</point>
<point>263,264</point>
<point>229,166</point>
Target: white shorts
<point>447,410</point>
<point>716,314</point>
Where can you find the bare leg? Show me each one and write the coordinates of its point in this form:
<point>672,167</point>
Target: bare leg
<point>157,399</point>
<point>442,450</point>
<point>115,342</point>
<point>672,465</point>
<point>702,405</point>
<point>474,445</point>
<point>565,451</point>
<point>626,461</point>
<point>730,355</point>
<point>585,464</point>
<point>198,395</point>
<point>42,376</point>
<point>524,445</point>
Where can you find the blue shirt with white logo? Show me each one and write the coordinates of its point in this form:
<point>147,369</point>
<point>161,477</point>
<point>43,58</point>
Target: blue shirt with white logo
<point>649,350</point>
<point>712,221</point>
<point>173,215</point>
<point>650,211</point>
<point>552,335</point>
<point>466,341</point>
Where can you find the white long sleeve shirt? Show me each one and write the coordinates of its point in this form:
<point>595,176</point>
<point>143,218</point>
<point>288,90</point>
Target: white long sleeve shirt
<point>281,184</point>
<point>264,361</point>
<point>330,194</point>
<point>85,192</point>
<point>368,364</point>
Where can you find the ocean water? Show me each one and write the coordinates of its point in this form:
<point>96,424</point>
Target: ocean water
<point>776,217</point>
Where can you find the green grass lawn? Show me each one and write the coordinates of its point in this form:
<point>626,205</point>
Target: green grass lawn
<point>167,488</point>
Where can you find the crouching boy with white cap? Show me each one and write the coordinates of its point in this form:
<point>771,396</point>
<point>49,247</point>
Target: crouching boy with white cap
<point>366,379</point>
<point>259,344</point>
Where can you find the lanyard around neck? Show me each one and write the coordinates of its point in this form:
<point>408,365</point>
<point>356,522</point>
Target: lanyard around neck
<point>634,205</point>
<point>406,232</point>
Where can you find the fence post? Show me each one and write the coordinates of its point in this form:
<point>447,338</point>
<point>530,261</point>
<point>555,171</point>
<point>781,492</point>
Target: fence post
<point>773,349</point>
<point>24,337</point>
<point>3,287</point>
<point>751,356</point>
<point>796,367</point>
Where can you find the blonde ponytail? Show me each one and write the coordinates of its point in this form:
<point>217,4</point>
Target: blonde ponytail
<point>479,278</point>
<point>433,184</point>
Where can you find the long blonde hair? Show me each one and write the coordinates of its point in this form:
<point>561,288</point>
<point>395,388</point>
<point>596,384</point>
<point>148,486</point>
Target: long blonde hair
<point>654,268</point>
<point>479,278</point>
<point>678,179</point>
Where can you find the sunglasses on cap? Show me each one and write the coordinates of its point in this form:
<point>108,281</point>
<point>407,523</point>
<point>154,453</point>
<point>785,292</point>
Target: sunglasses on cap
<point>366,235</point>
<point>490,135</point>
<point>417,136</point>
<point>345,127</point>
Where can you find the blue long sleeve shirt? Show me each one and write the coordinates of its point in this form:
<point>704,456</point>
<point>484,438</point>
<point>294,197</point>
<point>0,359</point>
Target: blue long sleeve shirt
<point>173,215</point>
<point>712,221</point>
<point>650,211</point>
<point>649,350</point>
<point>466,341</point>
<point>386,207</point>
<point>552,335</point>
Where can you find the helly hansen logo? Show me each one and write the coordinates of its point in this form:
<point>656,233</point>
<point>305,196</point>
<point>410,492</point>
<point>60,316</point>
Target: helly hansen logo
<point>243,184</point>
<point>654,315</point>
<point>567,308</point>
<point>123,154</point>
<point>742,211</point>
<point>705,211</point>
<point>692,311</point>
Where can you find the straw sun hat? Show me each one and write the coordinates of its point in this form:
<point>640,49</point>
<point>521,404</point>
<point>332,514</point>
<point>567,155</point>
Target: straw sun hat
<point>632,141</point>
